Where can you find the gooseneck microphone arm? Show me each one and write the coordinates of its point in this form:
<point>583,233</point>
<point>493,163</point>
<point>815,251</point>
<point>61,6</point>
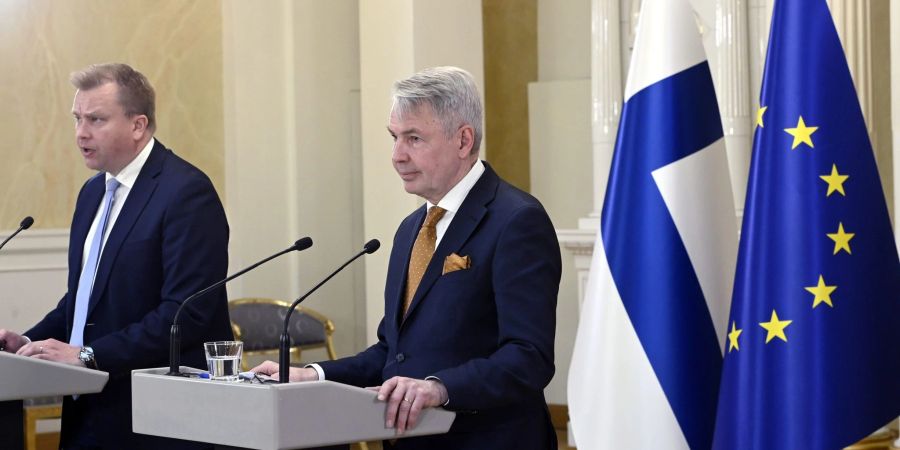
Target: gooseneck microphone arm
<point>175,332</point>
<point>24,225</point>
<point>284,352</point>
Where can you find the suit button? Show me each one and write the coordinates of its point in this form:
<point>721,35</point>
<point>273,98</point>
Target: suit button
<point>400,357</point>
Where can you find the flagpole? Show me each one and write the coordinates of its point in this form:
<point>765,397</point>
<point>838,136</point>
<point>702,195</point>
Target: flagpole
<point>895,126</point>
<point>895,121</point>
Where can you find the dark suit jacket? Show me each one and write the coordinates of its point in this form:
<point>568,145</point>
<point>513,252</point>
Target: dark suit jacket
<point>487,332</point>
<point>169,241</point>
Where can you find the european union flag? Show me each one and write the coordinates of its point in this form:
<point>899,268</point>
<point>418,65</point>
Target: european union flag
<point>812,358</point>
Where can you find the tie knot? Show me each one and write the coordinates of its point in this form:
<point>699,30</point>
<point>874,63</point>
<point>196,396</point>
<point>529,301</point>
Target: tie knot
<point>434,215</point>
<point>112,184</point>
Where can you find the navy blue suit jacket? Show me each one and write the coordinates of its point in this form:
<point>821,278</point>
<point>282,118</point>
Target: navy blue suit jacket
<point>487,332</point>
<point>169,241</point>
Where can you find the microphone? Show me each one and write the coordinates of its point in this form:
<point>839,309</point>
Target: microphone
<point>175,332</point>
<point>284,352</point>
<point>24,225</point>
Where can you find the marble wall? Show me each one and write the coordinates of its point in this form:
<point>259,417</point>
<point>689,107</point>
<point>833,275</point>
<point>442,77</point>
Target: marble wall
<point>176,44</point>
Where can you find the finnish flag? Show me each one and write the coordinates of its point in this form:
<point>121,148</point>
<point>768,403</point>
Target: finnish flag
<point>648,352</point>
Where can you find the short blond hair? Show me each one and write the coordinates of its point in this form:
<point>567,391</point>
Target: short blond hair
<point>136,95</point>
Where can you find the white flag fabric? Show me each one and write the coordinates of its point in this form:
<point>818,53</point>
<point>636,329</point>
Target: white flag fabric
<point>648,352</point>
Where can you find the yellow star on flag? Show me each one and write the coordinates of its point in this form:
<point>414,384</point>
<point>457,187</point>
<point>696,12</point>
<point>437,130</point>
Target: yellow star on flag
<point>775,327</point>
<point>841,239</point>
<point>822,293</point>
<point>835,181</point>
<point>801,134</point>
<point>733,337</point>
<point>759,116</point>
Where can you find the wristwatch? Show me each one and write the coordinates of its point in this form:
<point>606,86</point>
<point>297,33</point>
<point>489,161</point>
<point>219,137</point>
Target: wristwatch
<point>86,355</point>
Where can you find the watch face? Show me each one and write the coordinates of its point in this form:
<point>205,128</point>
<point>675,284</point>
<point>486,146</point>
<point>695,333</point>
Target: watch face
<point>87,357</point>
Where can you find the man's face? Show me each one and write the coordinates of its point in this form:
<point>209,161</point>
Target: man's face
<point>108,139</point>
<point>428,161</point>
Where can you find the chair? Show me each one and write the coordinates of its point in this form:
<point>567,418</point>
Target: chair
<point>258,322</point>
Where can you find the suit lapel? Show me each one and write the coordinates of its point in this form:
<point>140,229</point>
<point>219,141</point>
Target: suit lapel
<point>140,194</point>
<point>464,223</point>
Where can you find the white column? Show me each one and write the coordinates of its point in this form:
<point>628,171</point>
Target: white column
<point>397,39</point>
<point>606,97</point>
<point>291,96</point>
<point>759,18</point>
<point>259,143</point>
<point>606,106</point>
<point>732,74</point>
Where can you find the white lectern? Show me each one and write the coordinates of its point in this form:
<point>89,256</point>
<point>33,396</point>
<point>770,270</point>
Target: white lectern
<point>25,377</point>
<point>264,416</point>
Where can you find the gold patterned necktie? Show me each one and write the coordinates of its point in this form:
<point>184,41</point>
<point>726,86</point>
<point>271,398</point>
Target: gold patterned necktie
<point>422,250</point>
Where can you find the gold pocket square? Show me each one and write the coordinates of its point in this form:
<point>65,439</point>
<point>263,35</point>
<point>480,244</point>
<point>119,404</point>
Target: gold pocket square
<point>454,262</point>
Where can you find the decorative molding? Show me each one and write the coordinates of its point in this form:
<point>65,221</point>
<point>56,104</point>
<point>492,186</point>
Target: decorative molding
<point>579,242</point>
<point>36,250</point>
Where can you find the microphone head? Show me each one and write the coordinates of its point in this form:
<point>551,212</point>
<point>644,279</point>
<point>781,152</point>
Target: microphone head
<point>27,223</point>
<point>371,246</point>
<point>302,244</point>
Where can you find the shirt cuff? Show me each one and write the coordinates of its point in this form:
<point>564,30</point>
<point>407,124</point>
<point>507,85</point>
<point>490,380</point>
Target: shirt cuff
<point>432,377</point>
<point>27,339</point>
<point>318,370</point>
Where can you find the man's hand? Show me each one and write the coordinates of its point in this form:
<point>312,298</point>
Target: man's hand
<point>10,341</point>
<point>52,350</point>
<point>407,397</point>
<point>270,368</point>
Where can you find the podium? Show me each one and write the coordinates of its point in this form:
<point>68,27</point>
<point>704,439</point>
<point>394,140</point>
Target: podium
<point>265,416</point>
<point>25,377</point>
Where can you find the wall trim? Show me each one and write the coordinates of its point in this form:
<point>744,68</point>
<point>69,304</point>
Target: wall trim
<point>35,250</point>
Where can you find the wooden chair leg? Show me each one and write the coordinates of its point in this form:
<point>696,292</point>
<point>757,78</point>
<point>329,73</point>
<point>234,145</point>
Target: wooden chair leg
<point>32,415</point>
<point>30,430</point>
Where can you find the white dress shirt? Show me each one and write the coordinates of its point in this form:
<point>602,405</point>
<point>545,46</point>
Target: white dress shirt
<point>126,179</point>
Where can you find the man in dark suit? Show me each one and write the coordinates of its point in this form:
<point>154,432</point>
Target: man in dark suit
<point>470,297</point>
<point>148,231</point>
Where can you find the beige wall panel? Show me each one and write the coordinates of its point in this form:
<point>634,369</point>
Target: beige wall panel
<point>510,63</point>
<point>176,44</point>
<point>329,184</point>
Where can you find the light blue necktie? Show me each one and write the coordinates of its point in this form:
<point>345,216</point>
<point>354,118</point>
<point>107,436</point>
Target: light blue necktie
<point>89,271</point>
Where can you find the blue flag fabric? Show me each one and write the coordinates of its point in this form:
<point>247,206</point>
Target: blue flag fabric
<point>812,359</point>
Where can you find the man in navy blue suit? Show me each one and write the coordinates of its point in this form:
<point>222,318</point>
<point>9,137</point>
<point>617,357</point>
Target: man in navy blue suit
<point>148,231</point>
<point>470,297</point>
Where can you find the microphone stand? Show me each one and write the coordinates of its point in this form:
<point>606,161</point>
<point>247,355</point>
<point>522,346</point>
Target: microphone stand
<point>284,352</point>
<point>175,332</point>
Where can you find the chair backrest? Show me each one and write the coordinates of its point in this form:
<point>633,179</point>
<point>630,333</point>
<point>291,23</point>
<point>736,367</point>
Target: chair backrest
<point>260,322</point>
